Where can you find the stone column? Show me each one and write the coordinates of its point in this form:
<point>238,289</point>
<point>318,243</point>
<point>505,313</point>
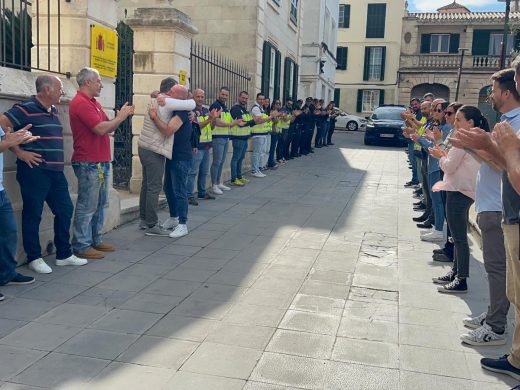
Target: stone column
<point>162,43</point>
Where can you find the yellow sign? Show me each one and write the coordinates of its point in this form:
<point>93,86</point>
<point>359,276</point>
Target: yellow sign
<point>182,77</point>
<point>103,50</point>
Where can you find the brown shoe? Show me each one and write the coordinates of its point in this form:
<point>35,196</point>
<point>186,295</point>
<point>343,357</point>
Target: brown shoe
<point>105,247</point>
<point>91,254</point>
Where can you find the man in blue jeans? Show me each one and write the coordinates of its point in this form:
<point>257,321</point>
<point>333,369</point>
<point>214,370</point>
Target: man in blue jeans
<point>8,234</point>
<point>40,173</point>
<point>200,165</point>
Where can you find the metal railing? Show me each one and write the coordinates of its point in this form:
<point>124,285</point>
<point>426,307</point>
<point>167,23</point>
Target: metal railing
<point>27,38</point>
<point>210,71</point>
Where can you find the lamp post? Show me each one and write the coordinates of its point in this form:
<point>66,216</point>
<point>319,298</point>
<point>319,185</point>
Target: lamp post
<point>459,74</point>
<point>506,31</point>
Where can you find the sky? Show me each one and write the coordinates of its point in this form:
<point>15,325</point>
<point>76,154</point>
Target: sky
<point>473,5</point>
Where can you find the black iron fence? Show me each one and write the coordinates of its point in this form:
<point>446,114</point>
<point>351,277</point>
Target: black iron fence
<point>210,71</point>
<point>19,34</point>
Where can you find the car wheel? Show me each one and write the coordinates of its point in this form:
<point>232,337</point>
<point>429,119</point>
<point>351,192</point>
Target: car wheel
<point>352,126</point>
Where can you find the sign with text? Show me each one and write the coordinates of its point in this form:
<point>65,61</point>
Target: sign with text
<point>182,77</point>
<point>103,50</point>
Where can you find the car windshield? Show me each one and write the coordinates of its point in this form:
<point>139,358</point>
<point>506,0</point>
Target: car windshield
<point>388,113</point>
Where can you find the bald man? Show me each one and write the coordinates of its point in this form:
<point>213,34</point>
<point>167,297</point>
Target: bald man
<point>40,167</point>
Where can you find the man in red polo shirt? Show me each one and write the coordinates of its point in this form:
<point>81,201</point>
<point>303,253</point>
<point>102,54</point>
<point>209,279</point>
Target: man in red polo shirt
<point>91,162</point>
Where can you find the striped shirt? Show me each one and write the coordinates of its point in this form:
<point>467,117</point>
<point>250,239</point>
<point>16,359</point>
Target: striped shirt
<point>45,124</point>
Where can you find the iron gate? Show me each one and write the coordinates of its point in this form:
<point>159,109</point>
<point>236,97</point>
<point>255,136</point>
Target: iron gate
<point>210,71</point>
<point>122,164</point>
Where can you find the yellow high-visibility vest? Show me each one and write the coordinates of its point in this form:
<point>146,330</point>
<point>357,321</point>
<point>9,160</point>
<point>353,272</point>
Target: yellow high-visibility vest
<point>205,132</point>
<point>242,132</point>
<point>422,129</point>
<point>222,131</point>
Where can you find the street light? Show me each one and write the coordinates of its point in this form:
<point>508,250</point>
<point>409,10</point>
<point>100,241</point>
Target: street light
<point>459,74</point>
<point>506,31</point>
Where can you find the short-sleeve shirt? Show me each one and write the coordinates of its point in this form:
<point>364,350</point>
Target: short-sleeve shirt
<point>85,114</point>
<point>1,164</point>
<point>182,142</point>
<point>45,124</point>
<point>510,198</point>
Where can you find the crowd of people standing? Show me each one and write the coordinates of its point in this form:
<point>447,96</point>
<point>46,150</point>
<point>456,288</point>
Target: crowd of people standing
<point>457,160</point>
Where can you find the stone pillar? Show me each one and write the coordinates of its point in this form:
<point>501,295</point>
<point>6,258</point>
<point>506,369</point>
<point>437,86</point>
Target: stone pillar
<point>76,17</point>
<point>162,43</point>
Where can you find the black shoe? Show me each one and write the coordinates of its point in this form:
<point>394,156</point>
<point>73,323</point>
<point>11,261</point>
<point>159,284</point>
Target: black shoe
<point>1,297</point>
<point>21,279</point>
<point>439,251</point>
<point>424,225</point>
<point>411,183</point>
<point>421,207</point>
<point>422,218</point>
<point>500,365</point>
<point>317,146</point>
<point>442,258</point>
<point>444,279</point>
<point>325,145</point>
<point>193,201</point>
<point>330,143</point>
<point>457,286</point>
<point>418,203</point>
<point>206,196</point>
<point>418,192</point>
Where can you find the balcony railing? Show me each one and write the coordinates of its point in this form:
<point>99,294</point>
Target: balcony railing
<point>450,62</point>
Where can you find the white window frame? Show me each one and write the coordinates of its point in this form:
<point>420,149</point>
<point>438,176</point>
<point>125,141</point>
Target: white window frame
<point>375,63</point>
<point>495,44</point>
<point>370,100</point>
<point>272,71</point>
<point>439,48</point>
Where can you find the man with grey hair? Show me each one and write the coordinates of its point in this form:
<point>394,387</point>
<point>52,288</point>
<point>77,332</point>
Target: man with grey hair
<point>40,167</point>
<point>91,162</point>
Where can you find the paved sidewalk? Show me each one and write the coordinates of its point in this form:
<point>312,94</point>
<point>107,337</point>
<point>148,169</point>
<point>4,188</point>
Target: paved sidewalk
<point>311,278</point>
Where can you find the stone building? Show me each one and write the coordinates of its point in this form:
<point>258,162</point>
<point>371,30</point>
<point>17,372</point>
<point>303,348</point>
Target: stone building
<point>369,44</point>
<point>320,19</point>
<point>431,54</point>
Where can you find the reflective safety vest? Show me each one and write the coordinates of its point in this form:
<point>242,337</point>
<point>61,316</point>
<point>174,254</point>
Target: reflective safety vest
<point>242,132</point>
<point>222,132</point>
<point>205,132</point>
<point>422,129</point>
<point>262,128</point>
<point>284,124</point>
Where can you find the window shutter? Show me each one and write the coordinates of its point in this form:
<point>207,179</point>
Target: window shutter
<point>295,85</point>
<point>286,79</point>
<point>277,66</point>
<point>346,16</point>
<point>454,43</point>
<point>383,61</point>
<point>337,93</point>
<point>376,15</point>
<point>359,106</point>
<point>425,43</point>
<point>381,97</point>
<point>480,46</point>
<point>367,61</point>
<point>266,61</point>
<point>345,57</point>
<point>341,58</point>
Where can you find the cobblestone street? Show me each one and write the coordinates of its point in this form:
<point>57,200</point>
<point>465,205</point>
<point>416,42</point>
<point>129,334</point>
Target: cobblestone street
<point>313,277</point>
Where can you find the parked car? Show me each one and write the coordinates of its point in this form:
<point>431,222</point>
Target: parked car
<point>385,126</point>
<point>350,122</point>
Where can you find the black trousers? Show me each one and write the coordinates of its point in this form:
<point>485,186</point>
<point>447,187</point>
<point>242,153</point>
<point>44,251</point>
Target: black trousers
<point>296,141</point>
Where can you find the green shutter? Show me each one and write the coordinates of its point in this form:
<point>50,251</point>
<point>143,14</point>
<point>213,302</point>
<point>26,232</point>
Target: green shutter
<point>383,62</point>
<point>341,58</point>
<point>454,43</point>
<point>266,61</point>
<point>346,16</point>
<point>367,61</point>
<point>376,16</point>
<point>277,66</point>
<point>480,46</point>
<point>425,43</point>
<point>337,93</point>
<point>295,85</point>
<point>286,79</point>
<point>359,106</point>
<point>345,57</point>
<point>381,97</point>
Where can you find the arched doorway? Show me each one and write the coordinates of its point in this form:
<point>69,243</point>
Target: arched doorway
<point>484,105</point>
<point>439,91</point>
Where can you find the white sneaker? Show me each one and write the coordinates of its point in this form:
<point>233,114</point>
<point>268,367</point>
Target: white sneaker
<point>223,187</point>
<point>180,231</point>
<point>72,260</point>
<point>39,266</point>
<point>483,336</point>
<point>258,174</point>
<point>433,236</point>
<point>170,223</point>
<point>216,190</point>
<point>475,322</point>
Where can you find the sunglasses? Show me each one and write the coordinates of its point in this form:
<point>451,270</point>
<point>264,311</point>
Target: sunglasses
<point>439,110</point>
<point>449,113</point>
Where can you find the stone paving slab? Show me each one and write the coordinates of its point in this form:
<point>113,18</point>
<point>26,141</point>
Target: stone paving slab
<point>313,277</point>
